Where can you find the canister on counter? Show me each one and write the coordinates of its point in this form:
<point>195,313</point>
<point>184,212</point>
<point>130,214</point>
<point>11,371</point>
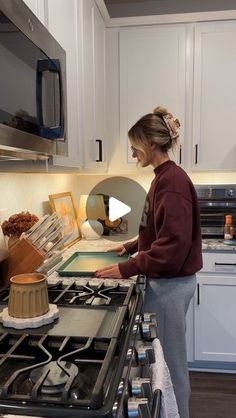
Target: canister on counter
<point>229,228</point>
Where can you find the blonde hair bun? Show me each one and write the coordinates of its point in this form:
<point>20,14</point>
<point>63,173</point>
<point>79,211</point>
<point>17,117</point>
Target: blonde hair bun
<point>161,111</point>
<point>172,124</point>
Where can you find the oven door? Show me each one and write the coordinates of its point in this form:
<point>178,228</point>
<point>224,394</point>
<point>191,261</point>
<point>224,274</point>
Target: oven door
<point>213,214</point>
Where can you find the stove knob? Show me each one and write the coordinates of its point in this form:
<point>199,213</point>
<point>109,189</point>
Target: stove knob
<point>138,319</point>
<point>146,355</point>
<point>131,356</point>
<point>115,409</point>
<point>150,317</point>
<point>138,408</point>
<point>149,331</point>
<point>230,192</point>
<point>121,388</point>
<point>135,329</point>
<point>141,388</point>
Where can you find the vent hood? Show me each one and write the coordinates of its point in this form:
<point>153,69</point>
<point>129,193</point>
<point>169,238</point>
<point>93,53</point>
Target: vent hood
<point>13,154</point>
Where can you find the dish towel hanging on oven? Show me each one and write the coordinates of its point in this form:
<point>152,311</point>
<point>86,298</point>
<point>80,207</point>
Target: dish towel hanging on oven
<point>161,380</point>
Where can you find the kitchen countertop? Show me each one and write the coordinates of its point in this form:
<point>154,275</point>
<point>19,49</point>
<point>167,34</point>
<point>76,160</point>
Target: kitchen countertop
<point>104,244</point>
<point>218,245</point>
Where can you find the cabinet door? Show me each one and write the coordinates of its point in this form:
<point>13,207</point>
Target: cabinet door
<point>215,330</point>
<point>62,23</point>
<point>152,73</point>
<point>93,81</point>
<point>214,146</point>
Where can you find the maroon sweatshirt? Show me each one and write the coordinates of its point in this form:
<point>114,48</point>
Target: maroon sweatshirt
<point>169,241</point>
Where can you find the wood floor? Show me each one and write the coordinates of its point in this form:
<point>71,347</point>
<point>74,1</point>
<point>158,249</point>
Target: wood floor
<point>213,395</point>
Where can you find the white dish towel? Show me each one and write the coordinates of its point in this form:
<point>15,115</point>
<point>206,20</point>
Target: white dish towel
<point>161,380</point>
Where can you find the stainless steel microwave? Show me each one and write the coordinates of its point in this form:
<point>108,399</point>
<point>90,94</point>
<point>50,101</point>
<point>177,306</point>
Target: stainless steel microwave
<point>32,86</point>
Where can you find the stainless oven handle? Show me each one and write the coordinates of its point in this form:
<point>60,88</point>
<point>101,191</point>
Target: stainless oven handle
<point>52,65</point>
<point>225,264</point>
<point>156,404</point>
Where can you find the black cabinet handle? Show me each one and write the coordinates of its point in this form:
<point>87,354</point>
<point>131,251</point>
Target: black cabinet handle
<point>180,155</point>
<point>198,294</point>
<point>225,264</point>
<point>196,153</point>
<point>99,150</point>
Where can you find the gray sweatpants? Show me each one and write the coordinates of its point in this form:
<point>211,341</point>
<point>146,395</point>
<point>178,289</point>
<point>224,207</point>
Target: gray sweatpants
<point>170,299</point>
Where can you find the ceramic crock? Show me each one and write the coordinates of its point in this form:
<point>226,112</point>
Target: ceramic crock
<point>28,296</point>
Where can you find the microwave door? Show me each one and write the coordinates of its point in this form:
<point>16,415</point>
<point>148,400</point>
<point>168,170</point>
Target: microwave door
<point>49,99</point>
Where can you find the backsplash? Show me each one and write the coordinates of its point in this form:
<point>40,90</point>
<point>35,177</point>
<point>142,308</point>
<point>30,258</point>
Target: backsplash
<point>22,192</point>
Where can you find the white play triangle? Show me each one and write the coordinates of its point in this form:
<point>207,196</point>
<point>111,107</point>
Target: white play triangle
<point>117,209</point>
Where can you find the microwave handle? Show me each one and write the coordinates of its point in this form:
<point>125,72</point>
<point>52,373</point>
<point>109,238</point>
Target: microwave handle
<point>53,65</point>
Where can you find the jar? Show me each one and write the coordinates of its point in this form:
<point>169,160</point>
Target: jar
<point>228,228</point>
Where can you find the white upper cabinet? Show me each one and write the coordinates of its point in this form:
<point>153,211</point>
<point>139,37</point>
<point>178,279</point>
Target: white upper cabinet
<point>152,73</point>
<point>62,23</point>
<point>214,110</point>
<point>93,87</point>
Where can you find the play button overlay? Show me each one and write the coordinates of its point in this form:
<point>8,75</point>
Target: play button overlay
<point>123,201</point>
<point>117,209</point>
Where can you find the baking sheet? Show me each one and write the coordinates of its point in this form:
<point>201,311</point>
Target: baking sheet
<point>86,263</point>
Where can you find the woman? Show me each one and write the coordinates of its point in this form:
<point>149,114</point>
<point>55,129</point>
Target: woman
<point>168,245</point>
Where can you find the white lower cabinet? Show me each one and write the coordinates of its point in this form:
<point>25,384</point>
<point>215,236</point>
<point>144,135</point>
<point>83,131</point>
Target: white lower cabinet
<point>211,323</point>
<point>215,322</point>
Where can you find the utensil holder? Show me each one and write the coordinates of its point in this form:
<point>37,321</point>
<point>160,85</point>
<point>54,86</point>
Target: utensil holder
<point>23,258</point>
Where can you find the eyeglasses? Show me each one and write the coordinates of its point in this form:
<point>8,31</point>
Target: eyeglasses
<point>134,150</point>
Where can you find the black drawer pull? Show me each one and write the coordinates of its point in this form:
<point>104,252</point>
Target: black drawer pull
<point>196,153</point>
<point>198,294</point>
<point>225,264</point>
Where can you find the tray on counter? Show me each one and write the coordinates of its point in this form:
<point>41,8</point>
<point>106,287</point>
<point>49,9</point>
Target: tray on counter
<point>86,263</point>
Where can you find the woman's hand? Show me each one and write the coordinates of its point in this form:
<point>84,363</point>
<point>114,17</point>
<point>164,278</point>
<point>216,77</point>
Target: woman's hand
<point>112,271</point>
<point>119,249</point>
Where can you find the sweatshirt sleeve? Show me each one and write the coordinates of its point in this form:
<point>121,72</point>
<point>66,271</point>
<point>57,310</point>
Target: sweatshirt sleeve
<point>173,241</point>
<point>131,246</point>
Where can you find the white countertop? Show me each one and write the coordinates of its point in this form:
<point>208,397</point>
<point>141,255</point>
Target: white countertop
<point>102,244</point>
<point>218,244</point>
<point>107,243</point>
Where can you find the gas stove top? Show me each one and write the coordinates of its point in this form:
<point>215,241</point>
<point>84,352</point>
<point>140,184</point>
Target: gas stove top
<point>85,292</point>
<point>55,371</point>
<point>74,366</point>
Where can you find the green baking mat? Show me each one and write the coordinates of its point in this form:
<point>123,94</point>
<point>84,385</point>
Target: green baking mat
<point>86,263</point>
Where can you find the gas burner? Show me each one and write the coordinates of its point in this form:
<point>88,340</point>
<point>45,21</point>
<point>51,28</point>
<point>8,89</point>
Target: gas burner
<point>90,293</point>
<point>93,293</point>
<point>57,375</point>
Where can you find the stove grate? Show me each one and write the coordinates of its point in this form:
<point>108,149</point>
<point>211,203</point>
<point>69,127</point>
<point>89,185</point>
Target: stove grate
<point>59,370</point>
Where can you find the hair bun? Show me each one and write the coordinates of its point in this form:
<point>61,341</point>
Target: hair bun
<point>172,124</point>
<point>161,111</point>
